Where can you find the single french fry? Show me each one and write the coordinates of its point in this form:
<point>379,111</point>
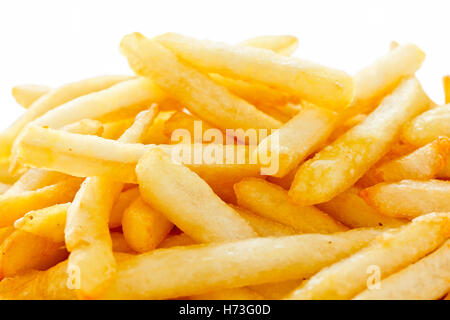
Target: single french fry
<point>423,163</point>
<point>143,227</point>
<point>197,92</point>
<point>15,206</point>
<point>284,45</point>
<point>349,208</point>
<point>339,165</point>
<point>119,244</point>
<point>122,203</point>
<point>22,251</point>
<point>47,223</point>
<point>263,226</point>
<point>229,294</point>
<point>446,83</point>
<point>51,100</point>
<point>381,77</point>
<point>199,212</point>
<point>388,253</point>
<point>50,284</point>
<point>187,271</point>
<point>409,198</point>
<point>303,78</point>
<point>178,240</point>
<point>36,178</point>
<point>26,94</point>
<point>87,237</point>
<point>272,202</point>
<point>428,126</point>
<point>297,139</point>
<point>427,279</point>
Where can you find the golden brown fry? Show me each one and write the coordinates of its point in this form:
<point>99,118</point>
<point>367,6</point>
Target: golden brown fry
<point>143,227</point>
<point>51,100</point>
<point>294,141</point>
<point>22,251</point>
<point>15,206</point>
<point>206,268</point>
<point>388,253</point>
<point>423,163</point>
<point>47,223</point>
<point>339,165</point>
<point>272,202</point>
<point>349,208</point>
<point>199,212</point>
<point>284,45</point>
<point>428,126</point>
<point>381,77</point>
<point>124,200</point>
<point>196,91</point>
<point>446,83</point>
<point>303,78</point>
<point>427,279</point>
<point>409,198</point>
<point>229,294</point>
<point>27,94</point>
<point>263,226</point>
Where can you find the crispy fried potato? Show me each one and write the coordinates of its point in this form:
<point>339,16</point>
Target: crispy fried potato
<point>198,93</point>
<point>122,203</point>
<point>143,227</point>
<point>22,251</point>
<point>423,163</point>
<point>339,165</point>
<point>272,202</point>
<point>284,45</point>
<point>409,198</point>
<point>229,294</point>
<point>15,206</point>
<point>295,140</point>
<point>381,77</point>
<point>47,223</point>
<point>199,212</point>
<point>27,94</point>
<point>51,100</point>
<point>303,78</point>
<point>446,83</point>
<point>263,226</point>
<point>349,208</point>
<point>428,126</point>
<point>427,279</point>
<point>389,252</point>
<point>192,270</point>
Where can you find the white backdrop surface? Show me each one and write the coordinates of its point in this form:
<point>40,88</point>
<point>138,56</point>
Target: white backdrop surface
<point>54,42</point>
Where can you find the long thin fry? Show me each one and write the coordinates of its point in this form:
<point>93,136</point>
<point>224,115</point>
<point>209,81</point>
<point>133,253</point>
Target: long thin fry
<point>303,78</point>
<point>27,94</point>
<point>339,165</point>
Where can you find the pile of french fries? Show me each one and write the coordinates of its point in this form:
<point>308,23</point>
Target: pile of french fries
<point>94,204</point>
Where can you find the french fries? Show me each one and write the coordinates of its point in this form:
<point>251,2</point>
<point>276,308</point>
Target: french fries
<point>446,83</point>
<point>349,208</point>
<point>427,279</point>
<point>339,165</point>
<point>428,126</point>
<point>299,77</point>
<point>297,139</point>
<point>201,214</point>
<point>409,198</point>
<point>143,227</point>
<point>211,267</point>
<point>198,93</point>
<point>26,94</point>
<point>421,164</point>
<point>387,254</point>
<point>272,202</point>
<point>51,100</point>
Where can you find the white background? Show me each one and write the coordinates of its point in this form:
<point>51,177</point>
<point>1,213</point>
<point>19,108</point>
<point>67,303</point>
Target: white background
<point>53,42</point>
